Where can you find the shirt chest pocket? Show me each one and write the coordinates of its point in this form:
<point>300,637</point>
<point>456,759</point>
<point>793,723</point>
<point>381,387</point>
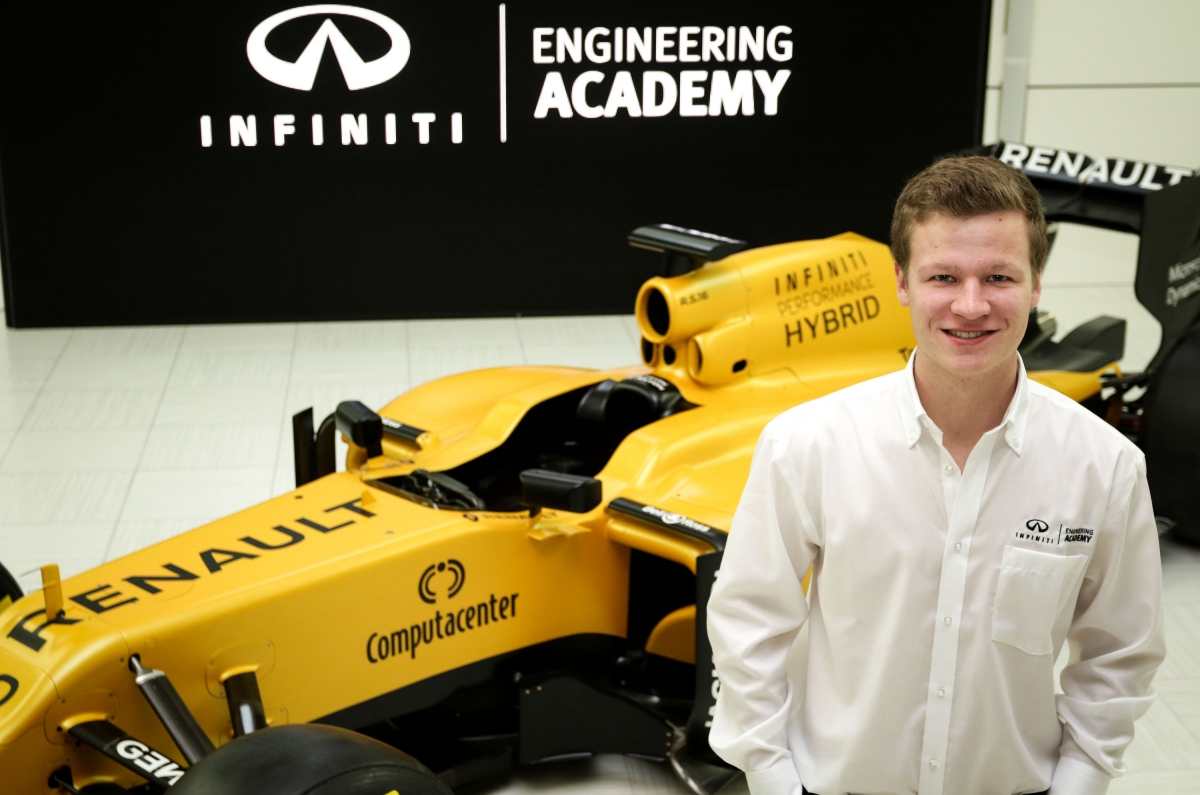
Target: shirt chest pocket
<point>1031,592</point>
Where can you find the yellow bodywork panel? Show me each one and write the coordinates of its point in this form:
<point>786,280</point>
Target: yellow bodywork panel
<point>298,589</point>
<point>1077,386</point>
<point>342,592</point>
<point>675,636</point>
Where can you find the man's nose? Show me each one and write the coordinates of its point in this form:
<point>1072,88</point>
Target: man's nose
<point>970,302</point>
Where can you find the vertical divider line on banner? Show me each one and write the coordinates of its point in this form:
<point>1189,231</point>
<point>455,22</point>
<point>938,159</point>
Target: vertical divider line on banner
<point>503,81</point>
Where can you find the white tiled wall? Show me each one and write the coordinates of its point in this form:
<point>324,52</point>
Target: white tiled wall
<point>995,72</point>
<point>1156,123</point>
<point>1109,77</point>
<point>1115,42</point>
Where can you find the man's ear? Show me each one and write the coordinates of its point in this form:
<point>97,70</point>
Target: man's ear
<point>902,284</point>
<point>1037,291</point>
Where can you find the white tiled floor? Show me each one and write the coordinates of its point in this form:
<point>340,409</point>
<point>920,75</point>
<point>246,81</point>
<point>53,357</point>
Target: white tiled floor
<point>112,439</point>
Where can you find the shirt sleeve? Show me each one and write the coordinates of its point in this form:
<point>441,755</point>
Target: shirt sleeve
<point>1116,640</point>
<point>756,609</point>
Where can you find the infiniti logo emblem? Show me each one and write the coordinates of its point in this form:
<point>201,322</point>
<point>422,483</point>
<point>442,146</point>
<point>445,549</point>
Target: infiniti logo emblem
<point>1037,525</point>
<point>301,74</point>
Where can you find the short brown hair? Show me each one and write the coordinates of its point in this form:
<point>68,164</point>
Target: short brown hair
<point>966,187</point>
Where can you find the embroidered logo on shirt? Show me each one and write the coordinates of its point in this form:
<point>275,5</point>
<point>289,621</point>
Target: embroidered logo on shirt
<point>1037,530</point>
<point>1083,535</point>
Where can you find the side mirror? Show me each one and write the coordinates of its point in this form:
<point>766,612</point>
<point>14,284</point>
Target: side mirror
<point>541,488</point>
<point>314,452</point>
<point>361,425</point>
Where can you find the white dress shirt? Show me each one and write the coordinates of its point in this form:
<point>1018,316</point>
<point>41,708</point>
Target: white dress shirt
<point>939,601</point>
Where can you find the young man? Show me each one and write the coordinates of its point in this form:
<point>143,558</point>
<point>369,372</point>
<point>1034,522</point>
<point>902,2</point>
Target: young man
<point>961,522</point>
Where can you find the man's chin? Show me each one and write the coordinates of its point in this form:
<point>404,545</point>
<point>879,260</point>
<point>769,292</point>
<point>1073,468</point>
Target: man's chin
<point>969,363</point>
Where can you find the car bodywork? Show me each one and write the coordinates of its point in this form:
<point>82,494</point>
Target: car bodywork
<point>423,597</point>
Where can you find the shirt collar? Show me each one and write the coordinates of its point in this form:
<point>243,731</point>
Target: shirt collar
<point>913,415</point>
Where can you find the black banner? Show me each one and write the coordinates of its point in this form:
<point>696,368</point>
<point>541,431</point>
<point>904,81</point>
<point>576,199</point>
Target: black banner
<point>222,161</point>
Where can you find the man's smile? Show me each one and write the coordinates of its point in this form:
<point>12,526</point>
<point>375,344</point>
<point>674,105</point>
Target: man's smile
<point>967,336</point>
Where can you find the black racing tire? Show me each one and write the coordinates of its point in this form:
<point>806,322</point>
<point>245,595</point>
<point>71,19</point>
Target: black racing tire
<point>308,759</point>
<point>10,591</point>
<point>1171,438</point>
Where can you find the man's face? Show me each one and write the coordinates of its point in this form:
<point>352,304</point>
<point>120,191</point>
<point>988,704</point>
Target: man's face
<point>970,287</point>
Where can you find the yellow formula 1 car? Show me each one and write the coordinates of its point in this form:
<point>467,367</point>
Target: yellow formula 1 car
<point>512,569</point>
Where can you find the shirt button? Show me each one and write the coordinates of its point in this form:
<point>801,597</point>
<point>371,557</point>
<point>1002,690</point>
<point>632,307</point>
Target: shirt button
<point>947,620</point>
<point>933,764</point>
<point>958,546</point>
<point>949,469</point>
<point>941,691</point>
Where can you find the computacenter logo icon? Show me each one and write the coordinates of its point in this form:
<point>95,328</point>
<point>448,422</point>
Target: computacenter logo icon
<point>457,576</point>
<point>301,74</point>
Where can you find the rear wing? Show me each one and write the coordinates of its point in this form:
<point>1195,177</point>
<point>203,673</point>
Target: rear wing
<point>1160,204</point>
<point>686,249</point>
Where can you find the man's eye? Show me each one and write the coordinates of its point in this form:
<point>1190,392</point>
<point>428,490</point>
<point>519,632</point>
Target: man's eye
<point>998,277</point>
<point>943,277</point>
